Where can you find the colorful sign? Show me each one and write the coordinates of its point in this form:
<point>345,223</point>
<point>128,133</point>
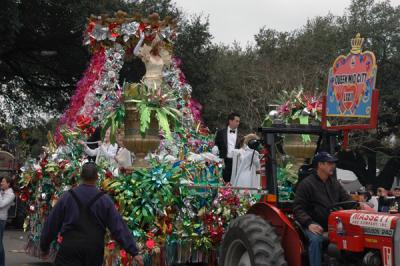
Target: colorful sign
<point>351,83</point>
<point>371,220</point>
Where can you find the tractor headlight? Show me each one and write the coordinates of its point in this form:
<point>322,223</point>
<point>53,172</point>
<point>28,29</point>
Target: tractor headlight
<point>339,227</point>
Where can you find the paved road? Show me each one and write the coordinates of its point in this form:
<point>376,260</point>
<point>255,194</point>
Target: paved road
<point>14,242</point>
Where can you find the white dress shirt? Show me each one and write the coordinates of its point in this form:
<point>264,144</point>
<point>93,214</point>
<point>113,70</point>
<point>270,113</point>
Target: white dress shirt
<point>231,142</point>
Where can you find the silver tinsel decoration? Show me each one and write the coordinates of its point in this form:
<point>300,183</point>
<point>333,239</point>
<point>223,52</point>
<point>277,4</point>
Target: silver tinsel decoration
<point>99,32</point>
<point>108,87</point>
<point>129,29</point>
<point>171,76</point>
<point>166,34</point>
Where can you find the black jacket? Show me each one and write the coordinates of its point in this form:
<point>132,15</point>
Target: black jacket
<point>221,141</point>
<point>314,197</point>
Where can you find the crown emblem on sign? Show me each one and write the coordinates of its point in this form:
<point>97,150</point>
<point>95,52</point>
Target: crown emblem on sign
<point>356,44</point>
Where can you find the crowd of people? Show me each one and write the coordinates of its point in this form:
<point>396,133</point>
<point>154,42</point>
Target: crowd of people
<point>381,199</point>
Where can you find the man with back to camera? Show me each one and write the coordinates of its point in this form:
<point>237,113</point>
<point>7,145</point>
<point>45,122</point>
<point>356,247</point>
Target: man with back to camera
<point>81,217</point>
<point>227,139</point>
<point>314,195</point>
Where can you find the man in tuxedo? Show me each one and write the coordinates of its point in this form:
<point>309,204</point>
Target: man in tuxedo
<point>227,139</point>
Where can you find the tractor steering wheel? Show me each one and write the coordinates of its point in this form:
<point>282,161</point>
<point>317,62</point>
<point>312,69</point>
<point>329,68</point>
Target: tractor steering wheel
<point>344,205</point>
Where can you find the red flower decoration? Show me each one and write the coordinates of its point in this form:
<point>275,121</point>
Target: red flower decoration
<point>89,131</point>
<point>91,26</point>
<point>150,244</point>
<point>108,174</point>
<point>122,253</point>
<point>111,245</point>
<point>112,28</point>
<point>142,26</point>
<point>43,163</point>
<point>24,197</point>
<point>39,174</point>
<point>59,239</point>
<point>83,122</point>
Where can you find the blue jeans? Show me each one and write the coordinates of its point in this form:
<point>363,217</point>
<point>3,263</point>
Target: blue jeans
<point>2,255</point>
<point>314,248</point>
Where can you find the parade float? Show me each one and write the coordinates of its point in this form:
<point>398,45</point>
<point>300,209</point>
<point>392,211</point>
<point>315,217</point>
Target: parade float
<point>173,199</point>
<point>172,220</point>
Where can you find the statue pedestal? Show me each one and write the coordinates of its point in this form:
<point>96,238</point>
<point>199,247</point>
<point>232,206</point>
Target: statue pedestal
<point>298,150</point>
<point>134,141</point>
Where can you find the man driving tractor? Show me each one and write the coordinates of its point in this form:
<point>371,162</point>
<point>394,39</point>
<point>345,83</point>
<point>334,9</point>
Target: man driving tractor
<point>314,196</point>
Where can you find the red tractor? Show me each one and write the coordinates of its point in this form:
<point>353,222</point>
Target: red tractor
<point>269,235</point>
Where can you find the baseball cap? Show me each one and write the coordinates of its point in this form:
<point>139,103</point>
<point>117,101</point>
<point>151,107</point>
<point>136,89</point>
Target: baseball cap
<point>324,157</point>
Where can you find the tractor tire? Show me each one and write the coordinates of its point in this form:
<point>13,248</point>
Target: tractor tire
<point>251,241</point>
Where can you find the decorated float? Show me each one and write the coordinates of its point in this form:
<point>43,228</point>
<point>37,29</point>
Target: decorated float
<point>173,198</point>
<point>172,220</point>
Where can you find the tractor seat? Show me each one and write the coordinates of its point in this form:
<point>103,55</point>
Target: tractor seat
<point>304,238</point>
<point>302,233</point>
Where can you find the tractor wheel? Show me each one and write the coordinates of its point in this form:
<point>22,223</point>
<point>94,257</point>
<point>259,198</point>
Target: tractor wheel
<point>251,241</point>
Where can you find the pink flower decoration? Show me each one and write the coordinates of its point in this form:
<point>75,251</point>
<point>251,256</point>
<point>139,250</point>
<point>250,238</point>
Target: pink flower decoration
<point>83,87</point>
<point>284,109</point>
<point>196,109</point>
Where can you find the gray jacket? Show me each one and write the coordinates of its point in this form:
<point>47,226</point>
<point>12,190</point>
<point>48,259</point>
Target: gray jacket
<point>6,201</point>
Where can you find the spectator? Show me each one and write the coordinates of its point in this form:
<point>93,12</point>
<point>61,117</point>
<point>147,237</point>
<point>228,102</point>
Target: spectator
<point>395,206</point>
<point>6,200</point>
<point>365,196</point>
<point>370,189</point>
<point>383,201</point>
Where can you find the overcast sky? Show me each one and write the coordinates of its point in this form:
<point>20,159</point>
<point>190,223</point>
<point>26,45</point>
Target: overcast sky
<point>240,20</point>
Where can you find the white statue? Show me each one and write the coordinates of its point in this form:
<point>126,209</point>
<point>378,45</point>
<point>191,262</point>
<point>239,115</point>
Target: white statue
<point>154,57</point>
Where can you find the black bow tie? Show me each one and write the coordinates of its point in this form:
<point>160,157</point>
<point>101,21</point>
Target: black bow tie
<point>232,131</point>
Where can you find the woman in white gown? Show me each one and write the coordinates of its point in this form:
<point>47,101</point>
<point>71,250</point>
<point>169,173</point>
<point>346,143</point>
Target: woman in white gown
<point>124,157</point>
<point>246,165</point>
